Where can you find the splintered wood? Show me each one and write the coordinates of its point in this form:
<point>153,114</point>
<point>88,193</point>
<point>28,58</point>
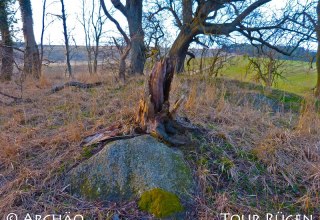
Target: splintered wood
<point>156,97</point>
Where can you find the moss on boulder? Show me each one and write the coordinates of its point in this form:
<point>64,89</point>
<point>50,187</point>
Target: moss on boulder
<point>160,203</point>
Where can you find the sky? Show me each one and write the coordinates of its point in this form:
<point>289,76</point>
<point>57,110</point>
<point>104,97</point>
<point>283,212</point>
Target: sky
<point>54,32</point>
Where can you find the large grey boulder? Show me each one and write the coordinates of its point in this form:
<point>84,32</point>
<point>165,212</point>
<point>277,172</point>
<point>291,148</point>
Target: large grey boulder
<point>125,169</point>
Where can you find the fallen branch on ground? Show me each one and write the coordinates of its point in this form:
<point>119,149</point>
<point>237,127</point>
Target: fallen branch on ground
<point>80,85</point>
<point>16,100</point>
<point>10,96</point>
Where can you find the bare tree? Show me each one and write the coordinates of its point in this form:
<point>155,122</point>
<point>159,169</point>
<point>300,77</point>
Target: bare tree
<point>31,54</point>
<point>315,21</point>
<point>218,61</point>
<point>7,49</point>
<point>217,18</point>
<point>66,37</point>
<point>92,23</point>
<point>43,27</point>
<point>309,19</point>
<point>132,10</point>
<point>124,52</point>
<point>266,67</point>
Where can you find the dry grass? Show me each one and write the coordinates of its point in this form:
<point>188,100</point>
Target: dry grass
<point>40,139</point>
<point>254,161</point>
<point>250,161</point>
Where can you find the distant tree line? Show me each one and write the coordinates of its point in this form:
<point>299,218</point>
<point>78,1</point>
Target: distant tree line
<point>299,54</point>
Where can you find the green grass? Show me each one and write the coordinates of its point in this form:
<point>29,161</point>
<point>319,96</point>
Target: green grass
<point>298,78</point>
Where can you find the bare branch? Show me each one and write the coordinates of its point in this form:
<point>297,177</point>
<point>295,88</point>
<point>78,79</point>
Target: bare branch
<point>123,33</point>
<point>118,5</point>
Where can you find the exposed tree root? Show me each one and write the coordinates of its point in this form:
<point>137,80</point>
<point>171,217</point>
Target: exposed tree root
<point>112,133</point>
<point>76,84</point>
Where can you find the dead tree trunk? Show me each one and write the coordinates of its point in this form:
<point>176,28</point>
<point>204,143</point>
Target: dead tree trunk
<point>154,107</point>
<point>7,49</point>
<point>31,54</point>
<point>154,113</point>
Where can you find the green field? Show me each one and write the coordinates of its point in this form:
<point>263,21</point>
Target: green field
<point>297,77</point>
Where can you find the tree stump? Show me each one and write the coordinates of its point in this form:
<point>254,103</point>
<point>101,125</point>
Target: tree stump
<point>154,114</point>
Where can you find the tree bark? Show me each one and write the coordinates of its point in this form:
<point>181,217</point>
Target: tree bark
<point>95,59</point>
<point>31,54</point>
<point>179,49</point>
<point>134,17</point>
<point>7,49</point>
<point>44,8</point>
<point>317,90</point>
<point>156,100</point>
<point>66,37</point>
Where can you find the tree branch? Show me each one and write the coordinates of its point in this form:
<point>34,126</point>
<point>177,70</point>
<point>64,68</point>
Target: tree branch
<point>123,33</point>
<point>171,10</point>
<point>248,11</point>
<point>263,42</point>
<point>118,5</point>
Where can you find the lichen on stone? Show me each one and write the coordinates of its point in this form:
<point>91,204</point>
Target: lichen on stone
<point>160,203</point>
<point>88,190</point>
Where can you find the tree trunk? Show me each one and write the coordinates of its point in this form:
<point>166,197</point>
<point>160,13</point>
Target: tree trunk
<point>31,54</point>
<point>44,7</point>
<point>122,69</point>
<point>317,90</point>
<point>134,17</point>
<point>95,60</point>
<point>89,57</point>
<point>7,50</point>
<point>66,37</point>
<point>179,49</point>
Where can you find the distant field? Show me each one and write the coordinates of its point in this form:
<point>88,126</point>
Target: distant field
<point>298,78</point>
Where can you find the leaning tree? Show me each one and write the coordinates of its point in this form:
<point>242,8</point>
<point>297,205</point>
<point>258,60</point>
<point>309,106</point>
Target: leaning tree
<point>207,17</point>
